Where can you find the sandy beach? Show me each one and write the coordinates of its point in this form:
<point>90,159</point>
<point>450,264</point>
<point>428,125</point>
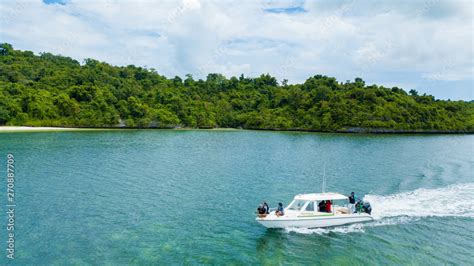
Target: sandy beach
<point>38,129</point>
<point>5,129</point>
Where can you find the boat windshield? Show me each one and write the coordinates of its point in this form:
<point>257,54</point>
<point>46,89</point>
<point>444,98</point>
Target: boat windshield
<point>296,205</point>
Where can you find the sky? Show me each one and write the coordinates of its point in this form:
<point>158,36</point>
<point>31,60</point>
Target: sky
<point>426,45</point>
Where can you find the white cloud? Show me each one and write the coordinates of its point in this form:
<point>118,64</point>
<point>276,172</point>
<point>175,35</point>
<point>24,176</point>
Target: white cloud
<point>390,42</point>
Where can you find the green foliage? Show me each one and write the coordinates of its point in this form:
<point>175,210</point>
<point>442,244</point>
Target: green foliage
<point>51,90</point>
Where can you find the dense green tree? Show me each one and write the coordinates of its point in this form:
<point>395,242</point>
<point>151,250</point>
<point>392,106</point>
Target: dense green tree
<point>52,90</point>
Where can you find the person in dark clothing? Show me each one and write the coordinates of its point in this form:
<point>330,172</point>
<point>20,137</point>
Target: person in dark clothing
<point>352,198</point>
<point>322,206</point>
<point>265,206</point>
<point>261,212</point>
<point>352,201</point>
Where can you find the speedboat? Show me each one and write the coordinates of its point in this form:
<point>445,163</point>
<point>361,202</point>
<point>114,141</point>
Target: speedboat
<point>308,211</point>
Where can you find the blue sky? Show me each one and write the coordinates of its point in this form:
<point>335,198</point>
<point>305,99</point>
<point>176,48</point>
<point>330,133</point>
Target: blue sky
<point>425,45</point>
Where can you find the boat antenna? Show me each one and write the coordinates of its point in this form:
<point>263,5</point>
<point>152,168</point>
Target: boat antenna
<point>324,178</point>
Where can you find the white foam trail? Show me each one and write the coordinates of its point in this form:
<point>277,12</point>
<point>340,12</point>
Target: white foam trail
<point>455,200</point>
<point>353,228</point>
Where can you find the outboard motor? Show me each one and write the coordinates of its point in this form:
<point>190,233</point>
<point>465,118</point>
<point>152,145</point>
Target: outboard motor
<point>367,207</point>
<point>362,206</point>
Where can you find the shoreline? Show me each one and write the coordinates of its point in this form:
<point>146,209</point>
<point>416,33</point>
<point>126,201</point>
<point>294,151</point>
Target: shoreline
<point>8,129</point>
<point>356,131</point>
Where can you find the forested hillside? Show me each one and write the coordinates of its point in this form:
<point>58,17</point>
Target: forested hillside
<point>51,90</point>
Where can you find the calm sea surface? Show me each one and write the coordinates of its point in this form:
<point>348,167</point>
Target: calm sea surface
<point>173,197</point>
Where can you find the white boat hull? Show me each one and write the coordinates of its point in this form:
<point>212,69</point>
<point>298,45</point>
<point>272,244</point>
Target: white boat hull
<point>273,221</point>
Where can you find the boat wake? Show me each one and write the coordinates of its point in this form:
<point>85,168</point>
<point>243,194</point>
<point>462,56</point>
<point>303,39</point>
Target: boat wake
<point>455,200</point>
<point>452,201</point>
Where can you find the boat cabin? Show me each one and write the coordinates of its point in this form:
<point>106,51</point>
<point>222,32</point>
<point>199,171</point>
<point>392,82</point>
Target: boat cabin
<point>314,204</point>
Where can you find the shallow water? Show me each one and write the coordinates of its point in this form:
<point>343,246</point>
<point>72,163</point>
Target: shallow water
<point>157,196</point>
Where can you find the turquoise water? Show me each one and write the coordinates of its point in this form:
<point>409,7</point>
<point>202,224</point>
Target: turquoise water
<point>173,197</point>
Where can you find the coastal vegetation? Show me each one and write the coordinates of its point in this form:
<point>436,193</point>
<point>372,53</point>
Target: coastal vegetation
<point>53,90</point>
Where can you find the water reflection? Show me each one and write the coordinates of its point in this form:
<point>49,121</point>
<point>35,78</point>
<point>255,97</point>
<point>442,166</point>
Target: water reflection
<point>278,245</point>
<point>271,246</point>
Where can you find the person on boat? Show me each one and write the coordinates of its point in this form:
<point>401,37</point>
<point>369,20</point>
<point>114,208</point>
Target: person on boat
<point>265,206</point>
<point>280,211</point>
<point>359,206</point>
<point>352,198</point>
<point>328,206</point>
<point>261,212</point>
<point>352,202</point>
<point>322,206</point>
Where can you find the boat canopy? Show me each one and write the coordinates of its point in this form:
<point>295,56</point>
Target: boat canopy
<point>320,196</point>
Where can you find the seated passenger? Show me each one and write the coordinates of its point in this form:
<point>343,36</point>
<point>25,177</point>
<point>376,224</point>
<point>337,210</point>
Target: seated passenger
<point>280,211</point>
<point>265,206</point>
<point>261,211</point>
<point>322,206</point>
<point>359,206</point>
<point>328,206</point>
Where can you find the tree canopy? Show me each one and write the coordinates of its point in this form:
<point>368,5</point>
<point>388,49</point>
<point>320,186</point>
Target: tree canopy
<point>53,90</point>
